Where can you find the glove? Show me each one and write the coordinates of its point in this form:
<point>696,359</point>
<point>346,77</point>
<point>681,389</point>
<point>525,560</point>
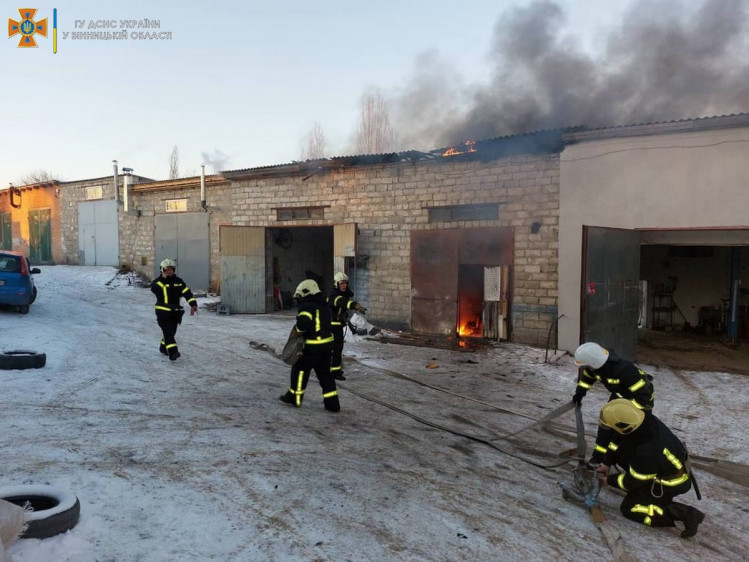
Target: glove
<point>360,308</point>
<point>577,398</point>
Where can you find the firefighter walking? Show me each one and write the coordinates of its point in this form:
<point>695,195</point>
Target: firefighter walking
<point>656,468</point>
<point>620,377</point>
<point>169,289</point>
<point>313,324</point>
<point>341,300</point>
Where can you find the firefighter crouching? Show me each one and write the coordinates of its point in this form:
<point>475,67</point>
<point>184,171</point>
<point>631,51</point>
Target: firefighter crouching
<point>655,467</point>
<point>313,324</point>
<point>620,377</point>
<point>169,289</point>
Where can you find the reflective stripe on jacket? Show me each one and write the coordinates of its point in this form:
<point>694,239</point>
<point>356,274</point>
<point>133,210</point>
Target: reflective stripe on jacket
<point>169,291</point>
<point>622,378</point>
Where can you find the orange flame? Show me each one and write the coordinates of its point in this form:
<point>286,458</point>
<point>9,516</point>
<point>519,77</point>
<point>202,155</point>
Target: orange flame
<point>471,147</point>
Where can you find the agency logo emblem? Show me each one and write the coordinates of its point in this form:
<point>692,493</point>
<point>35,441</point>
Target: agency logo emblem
<point>27,27</point>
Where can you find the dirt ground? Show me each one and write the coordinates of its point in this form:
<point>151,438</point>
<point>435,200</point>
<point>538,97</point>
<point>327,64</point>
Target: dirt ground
<point>692,351</point>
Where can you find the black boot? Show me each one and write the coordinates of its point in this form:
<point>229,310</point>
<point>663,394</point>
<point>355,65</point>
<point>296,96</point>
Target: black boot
<point>288,398</point>
<point>691,516</point>
<point>332,404</point>
<point>162,349</point>
<point>174,355</point>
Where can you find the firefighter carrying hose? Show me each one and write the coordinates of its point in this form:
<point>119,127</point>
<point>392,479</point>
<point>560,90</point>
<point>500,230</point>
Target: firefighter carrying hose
<point>341,300</point>
<point>656,468</point>
<point>620,377</point>
<point>313,324</point>
<point>169,289</point>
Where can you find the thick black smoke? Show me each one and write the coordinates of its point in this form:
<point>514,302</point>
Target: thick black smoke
<point>661,63</point>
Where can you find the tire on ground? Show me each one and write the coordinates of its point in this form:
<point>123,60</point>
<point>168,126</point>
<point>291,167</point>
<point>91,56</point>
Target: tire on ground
<point>54,510</point>
<point>20,359</point>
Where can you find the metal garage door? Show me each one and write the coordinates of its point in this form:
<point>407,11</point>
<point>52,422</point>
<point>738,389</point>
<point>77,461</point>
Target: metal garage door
<point>184,237</point>
<point>611,264</point>
<point>243,272</point>
<point>98,234</point>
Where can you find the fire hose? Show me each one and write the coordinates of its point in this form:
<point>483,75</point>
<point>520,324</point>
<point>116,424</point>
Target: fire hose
<point>585,490</point>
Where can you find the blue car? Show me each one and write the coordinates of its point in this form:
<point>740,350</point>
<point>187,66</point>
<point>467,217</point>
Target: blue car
<point>17,280</point>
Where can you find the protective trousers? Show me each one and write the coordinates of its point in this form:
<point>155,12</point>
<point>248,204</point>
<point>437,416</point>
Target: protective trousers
<point>319,361</point>
<point>336,364</point>
<point>168,325</point>
<point>651,504</point>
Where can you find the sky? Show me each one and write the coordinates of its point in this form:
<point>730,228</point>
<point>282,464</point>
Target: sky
<point>198,460</point>
<point>238,85</point>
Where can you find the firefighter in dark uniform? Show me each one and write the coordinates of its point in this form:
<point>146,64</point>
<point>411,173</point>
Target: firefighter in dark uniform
<point>341,300</point>
<point>169,289</point>
<point>620,377</point>
<point>313,324</point>
<point>655,465</point>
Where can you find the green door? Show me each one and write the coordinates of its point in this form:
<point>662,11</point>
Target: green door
<point>6,241</point>
<point>40,236</point>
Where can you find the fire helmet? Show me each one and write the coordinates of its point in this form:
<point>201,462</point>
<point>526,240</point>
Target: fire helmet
<point>168,263</point>
<point>306,288</point>
<point>591,355</point>
<point>339,277</point>
<point>621,415</point>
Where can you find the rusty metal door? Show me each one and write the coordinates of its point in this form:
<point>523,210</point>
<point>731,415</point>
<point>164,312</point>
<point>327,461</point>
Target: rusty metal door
<point>611,293</point>
<point>434,280</point>
<point>243,268</point>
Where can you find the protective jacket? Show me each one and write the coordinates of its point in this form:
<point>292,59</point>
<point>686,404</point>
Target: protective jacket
<point>169,291</point>
<point>651,456</point>
<point>622,378</point>
<point>340,303</point>
<point>313,320</point>
<point>313,324</point>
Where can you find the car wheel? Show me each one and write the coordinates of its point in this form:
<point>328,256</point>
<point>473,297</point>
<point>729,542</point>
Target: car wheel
<point>23,308</point>
<point>22,360</point>
<point>54,510</point>
<point>33,295</point>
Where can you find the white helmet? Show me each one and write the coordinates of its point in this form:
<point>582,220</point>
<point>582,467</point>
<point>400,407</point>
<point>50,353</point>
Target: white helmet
<point>306,288</point>
<point>591,355</point>
<point>340,276</point>
<point>168,263</point>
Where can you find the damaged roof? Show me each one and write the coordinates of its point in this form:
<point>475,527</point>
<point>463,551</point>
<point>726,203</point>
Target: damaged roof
<point>539,142</point>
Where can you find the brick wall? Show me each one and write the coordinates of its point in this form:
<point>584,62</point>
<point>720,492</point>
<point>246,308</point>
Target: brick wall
<point>388,201</point>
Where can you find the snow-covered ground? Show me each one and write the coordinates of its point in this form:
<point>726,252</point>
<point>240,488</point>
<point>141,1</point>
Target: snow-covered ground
<point>198,460</point>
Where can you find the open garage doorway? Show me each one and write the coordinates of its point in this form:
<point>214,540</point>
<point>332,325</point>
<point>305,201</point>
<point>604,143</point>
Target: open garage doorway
<point>262,266</point>
<point>298,253</point>
<point>696,299</point>
<point>677,298</point>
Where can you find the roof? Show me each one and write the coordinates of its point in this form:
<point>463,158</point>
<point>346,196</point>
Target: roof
<point>660,127</point>
<point>537,142</point>
<point>179,183</point>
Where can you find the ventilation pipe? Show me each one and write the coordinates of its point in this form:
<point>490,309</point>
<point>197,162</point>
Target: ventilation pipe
<point>202,186</point>
<point>116,183</point>
<point>126,189</point>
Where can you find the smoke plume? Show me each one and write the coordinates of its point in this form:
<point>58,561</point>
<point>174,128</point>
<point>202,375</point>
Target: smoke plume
<point>217,160</point>
<point>661,63</point>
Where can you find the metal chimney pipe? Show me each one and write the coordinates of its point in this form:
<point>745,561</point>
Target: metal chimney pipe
<point>126,188</point>
<point>126,194</point>
<point>116,183</point>
<point>202,185</point>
